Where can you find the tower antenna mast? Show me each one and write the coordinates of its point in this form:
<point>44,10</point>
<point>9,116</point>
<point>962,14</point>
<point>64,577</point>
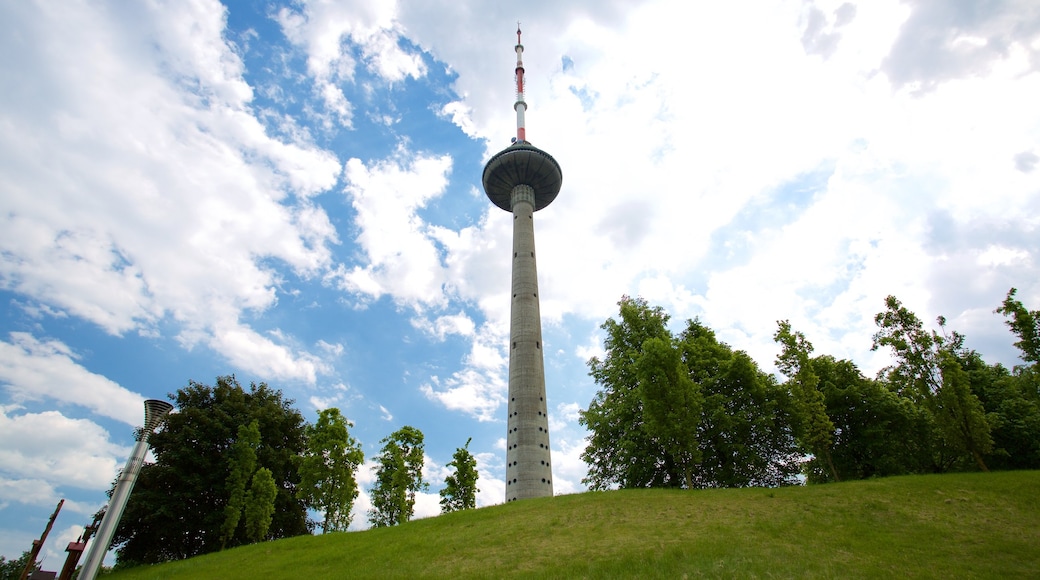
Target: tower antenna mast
<point>520,106</point>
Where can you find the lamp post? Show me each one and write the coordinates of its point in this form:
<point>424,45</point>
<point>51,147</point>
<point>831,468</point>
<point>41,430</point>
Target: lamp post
<point>154,412</point>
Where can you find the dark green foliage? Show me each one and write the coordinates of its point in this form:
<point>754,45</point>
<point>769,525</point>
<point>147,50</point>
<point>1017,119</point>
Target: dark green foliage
<point>745,429</point>
<point>736,416</point>
<point>876,432</point>
<point>178,506</point>
<point>251,491</point>
<point>620,451</point>
<point>929,372</point>
<point>242,465</point>
<point>328,482</point>
<point>671,406</point>
<point>1012,404</point>
<point>812,427</point>
<point>460,488</point>
<point>259,505</point>
<point>12,569</point>
<point>398,478</point>
<point>1025,324</point>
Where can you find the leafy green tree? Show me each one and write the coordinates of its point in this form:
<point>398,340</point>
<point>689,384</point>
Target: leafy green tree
<point>178,506</point>
<point>242,464</point>
<point>876,432</point>
<point>12,569</point>
<point>1012,404</point>
<point>744,434</point>
<point>928,371</point>
<point>398,478</point>
<point>620,451</point>
<point>1012,399</point>
<point>460,488</point>
<point>812,427</point>
<point>259,505</point>
<point>1025,324</point>
<point>256,502</point>
<point>736,414</point>
<point>328,481</point>
<point>671,405</point>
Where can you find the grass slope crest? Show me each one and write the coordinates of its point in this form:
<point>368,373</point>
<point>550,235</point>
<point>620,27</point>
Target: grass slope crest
<point>931,526</point>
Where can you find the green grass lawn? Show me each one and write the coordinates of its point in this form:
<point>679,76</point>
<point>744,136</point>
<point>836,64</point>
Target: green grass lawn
<point>937,526</point>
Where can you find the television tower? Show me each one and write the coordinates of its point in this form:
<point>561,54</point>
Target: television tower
<point>523,179</point>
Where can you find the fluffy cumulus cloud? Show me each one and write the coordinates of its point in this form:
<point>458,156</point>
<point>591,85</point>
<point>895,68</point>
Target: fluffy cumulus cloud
<point>336,36</point>
<point>133,168</point>
<point>47,450</point>
<point>32,370</point>
<point>400,257</point>
<point>479,388</point>
<point>943,41</point>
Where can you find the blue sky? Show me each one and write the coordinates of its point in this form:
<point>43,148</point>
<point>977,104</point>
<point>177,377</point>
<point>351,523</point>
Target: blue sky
<point>290,192</point>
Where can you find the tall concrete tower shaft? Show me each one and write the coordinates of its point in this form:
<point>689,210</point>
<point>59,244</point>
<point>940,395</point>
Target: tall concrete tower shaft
<point>523,179</point>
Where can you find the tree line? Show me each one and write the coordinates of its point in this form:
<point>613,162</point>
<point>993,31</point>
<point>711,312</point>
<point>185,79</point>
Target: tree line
<point>235,466</point>
<point>687,410</point>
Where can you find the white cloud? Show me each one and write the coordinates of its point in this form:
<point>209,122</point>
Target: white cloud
<point>247,349</point>
<point>480,386</point>
<point>330,32</point>
<point>455,324</point>
<point>145,189</point>
<point>565,414</point>
<point>627,96</point>
<point>36,492</point>
<point>401,259</point>
<point>38,448</point>
<point>33,370</point>
<point>941,41</point>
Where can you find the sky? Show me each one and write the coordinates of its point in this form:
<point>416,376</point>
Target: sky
<point>290,192</point>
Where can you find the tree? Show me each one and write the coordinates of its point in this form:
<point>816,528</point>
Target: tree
<point>812,427</point>
<point>745,428</point>
<point>178,506</point>
<point>1025,324</point>
<point>928,371</point>
<point>257,502</point>
<point>12,569</point>
<point>242,464</point>
<point>259,505</point>
<point>1012,404</point>
<point>1012,399</point>
<point>645,420</point>
<point>398,478</point>
<point>327,470</point>
<point>876,432</point>
<point>620,451</point>
<point>671,406</point>
<point>460,488</point>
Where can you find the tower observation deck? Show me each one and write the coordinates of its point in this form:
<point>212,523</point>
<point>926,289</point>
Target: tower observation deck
<point>523,179</point>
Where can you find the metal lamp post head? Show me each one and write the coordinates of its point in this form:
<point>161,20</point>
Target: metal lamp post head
<point>154,412</point>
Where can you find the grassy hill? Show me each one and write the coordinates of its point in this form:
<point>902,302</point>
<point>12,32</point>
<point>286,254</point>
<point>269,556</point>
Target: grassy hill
<point>938,526</point>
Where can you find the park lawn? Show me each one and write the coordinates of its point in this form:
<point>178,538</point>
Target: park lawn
<point>933,526</point>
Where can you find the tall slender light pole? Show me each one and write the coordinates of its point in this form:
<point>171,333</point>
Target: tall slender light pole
<point>154,412</point>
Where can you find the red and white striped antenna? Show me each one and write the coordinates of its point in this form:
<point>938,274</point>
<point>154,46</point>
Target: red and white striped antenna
<point>520,106</point>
